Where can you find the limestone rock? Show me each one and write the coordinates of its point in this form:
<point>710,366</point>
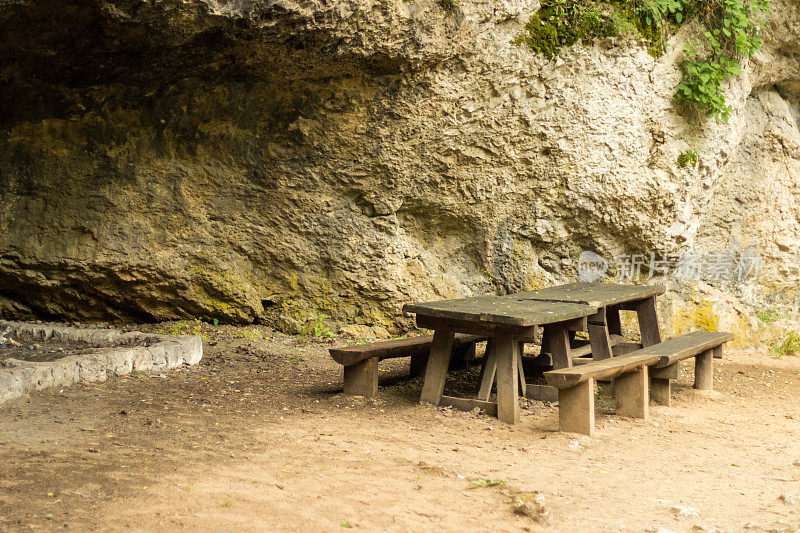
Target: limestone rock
<point>298,161</point>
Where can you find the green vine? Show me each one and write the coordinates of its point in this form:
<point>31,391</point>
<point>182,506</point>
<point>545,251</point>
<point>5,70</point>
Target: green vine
<point>732,34</point>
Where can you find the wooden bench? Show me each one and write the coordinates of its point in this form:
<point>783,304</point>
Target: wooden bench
<point>704,346</point>
<point>360,361</point>
<point>576,385</point>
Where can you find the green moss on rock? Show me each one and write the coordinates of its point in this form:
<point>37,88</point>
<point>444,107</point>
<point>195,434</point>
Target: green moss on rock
<point>562,23</point>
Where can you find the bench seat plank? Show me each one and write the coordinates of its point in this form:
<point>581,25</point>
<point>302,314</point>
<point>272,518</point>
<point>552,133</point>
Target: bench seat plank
<point>405,347</point>
<point>607,368</point>
<point>685,346</point>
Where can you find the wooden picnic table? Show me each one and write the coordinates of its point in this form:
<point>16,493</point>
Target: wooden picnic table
<point>511,320</point>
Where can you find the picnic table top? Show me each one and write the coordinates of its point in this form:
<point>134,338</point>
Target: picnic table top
<point>595,294</point>
<point>506,310</point>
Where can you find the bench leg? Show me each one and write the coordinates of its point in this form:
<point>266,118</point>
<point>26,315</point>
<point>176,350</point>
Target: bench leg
<point>632,394</point>
<point>418,364</point>
<point>661,383</point>
<point>704,370</point>
<point>436,370</point>
<point>576,408</point>
<point>660,391</point>
<point>718,352</point>
<point>488,371</point>
<point>361,379</point>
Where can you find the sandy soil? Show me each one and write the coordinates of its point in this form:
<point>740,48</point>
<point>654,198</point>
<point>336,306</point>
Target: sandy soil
<point>258,437</point>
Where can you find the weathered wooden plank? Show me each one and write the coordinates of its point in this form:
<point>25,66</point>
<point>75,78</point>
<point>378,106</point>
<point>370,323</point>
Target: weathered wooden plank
<point>607,368</point>
<point>502,310</point>
<point>483,329</point>
<point>468,404</point>
<point>438,361</point>
<point>594,294</point>
<point>685,346</point>
<point>410,346</point>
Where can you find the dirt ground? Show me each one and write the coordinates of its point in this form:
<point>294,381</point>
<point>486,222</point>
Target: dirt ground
<point>258,437</point>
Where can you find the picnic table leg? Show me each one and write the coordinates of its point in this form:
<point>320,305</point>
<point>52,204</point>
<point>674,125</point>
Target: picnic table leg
<point>523,386</point>
<point>559,346</point>
<point>438,361</point>
<point>600,342</point>
<point>507,380</point>
<point>648,322</point>
<point>488,371</point>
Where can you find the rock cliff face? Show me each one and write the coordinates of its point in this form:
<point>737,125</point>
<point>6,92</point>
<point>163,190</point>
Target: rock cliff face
<point>277,161</point>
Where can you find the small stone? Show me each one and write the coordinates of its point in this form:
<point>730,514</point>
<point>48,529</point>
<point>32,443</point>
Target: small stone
<point>685,510</point>
<point>530,504</point>
<point>796,462</point>
<point>788,499</point>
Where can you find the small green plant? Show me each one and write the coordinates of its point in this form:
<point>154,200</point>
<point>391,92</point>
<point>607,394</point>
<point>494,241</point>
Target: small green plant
<point>295,359</point>
<point>315,326</point>
<point>225,503</point>
<point>688,157</point>
<point>346,524</point>
<point>768,316</point>
<point>790,345</point>
<point>215,322</point>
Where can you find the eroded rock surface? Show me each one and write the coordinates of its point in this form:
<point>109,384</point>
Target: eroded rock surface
<point>286,161</point>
